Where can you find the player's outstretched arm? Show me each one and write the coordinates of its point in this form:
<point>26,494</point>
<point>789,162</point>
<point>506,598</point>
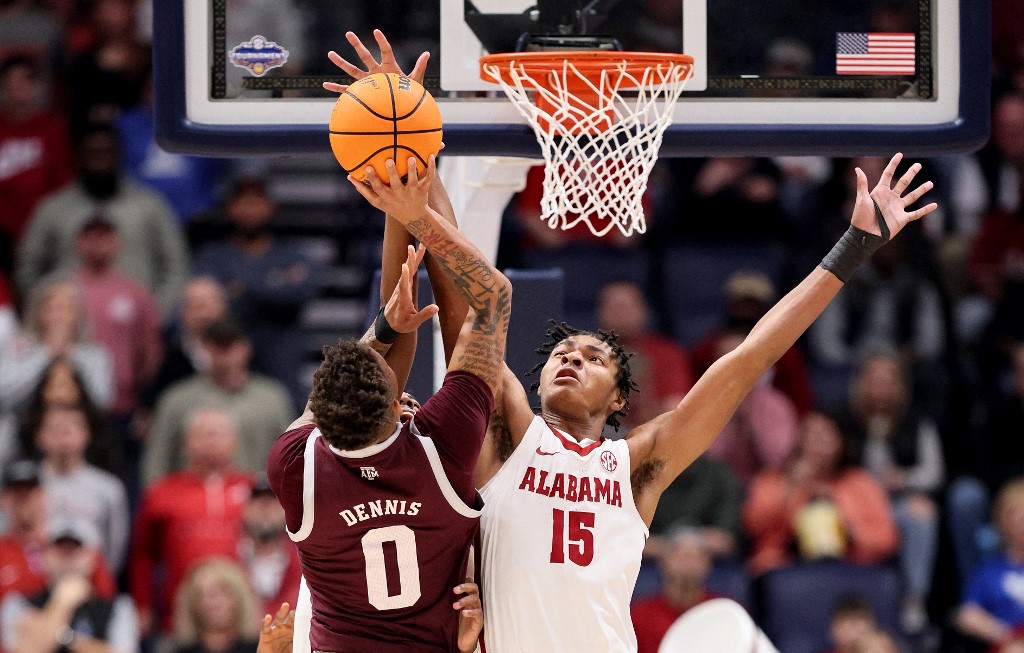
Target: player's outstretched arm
<point>276,632</point>
<point>398,316</point>
<point>481,346</point>
<point>665,446</point>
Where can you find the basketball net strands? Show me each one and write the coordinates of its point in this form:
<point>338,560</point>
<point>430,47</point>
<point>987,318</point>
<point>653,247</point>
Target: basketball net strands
<point>599,117</point>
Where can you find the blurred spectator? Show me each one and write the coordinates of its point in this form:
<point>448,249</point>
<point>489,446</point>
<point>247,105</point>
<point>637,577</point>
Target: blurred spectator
<point>707,497</point>
<point>997,259</point>
<point>888,304</point>
<point>77,490</point>
<point>748,296</point>
<point>123,314</point>
<point>153,250</point>
<point>70,614</point>
<point>743,188</point>
<point>902,449</point>
<point>8,314</point>
<point>661,368</point>
<point>852,619</point>
<point>685,564</point>
<point>202,303</point>
<point>188,183</point>
<point>993,604</point>
<point>877,641</point>
<point>188,516</point>
<point>762,432</point>
<point>269,558</point>
<point>29,30</point>
<point>21,548</point>
<point>55,330</point>
<point>108,78</point>
<point>261,405</point>
<point>216,611</point>
<point>268,281</point>
<point>62,387</point>
<point>35,154</point>
<point>822,505</point>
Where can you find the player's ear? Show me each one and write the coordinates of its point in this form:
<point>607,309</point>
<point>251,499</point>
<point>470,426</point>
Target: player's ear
<point>618,401</point>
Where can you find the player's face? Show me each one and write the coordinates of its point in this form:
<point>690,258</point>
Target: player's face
<point>409,406</point>
<point>580,377</point>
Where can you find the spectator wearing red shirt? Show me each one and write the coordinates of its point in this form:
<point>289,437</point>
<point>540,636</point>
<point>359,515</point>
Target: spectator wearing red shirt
<point>661,368</point>
<point>749,295</point>
<point>268,557</point>
<point>188,516</point>
<point>21,549</point>
<point>123,314</point>
<point>35,152</point>
<point>685,564</point>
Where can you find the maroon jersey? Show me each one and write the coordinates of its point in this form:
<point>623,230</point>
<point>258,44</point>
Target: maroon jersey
<point>383,533</point>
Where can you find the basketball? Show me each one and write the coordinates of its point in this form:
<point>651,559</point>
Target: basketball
<point>384,116</point>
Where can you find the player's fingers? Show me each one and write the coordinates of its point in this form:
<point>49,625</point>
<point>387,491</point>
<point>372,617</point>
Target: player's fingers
<point>890,170</point>
<point>394,179</point>
<point>361,51</point>
<point>267,619</point>
<point>374,179</point>
<point>474,613</point>
<point>282,612</point>
<point>343,63</point>
<point>335,87</point>
<point>916,194</point>
<point>387,54</point>
<point>414,172</point>
<point>425,313</point>
<point>923,211</point>
<point>431,169</point>
<point>420,69</point>
<point>467,587</point>
<point>907,177</point>
<point>289,619</point>
<point>862,183</point>
<point>371,196</point>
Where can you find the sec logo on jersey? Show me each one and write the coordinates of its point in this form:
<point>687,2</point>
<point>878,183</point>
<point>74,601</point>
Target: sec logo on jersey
<point>608,461</point>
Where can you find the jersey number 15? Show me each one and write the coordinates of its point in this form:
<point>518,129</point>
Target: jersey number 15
<point>580,537</point>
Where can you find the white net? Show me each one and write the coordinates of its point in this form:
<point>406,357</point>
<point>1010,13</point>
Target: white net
<point>600,144</point>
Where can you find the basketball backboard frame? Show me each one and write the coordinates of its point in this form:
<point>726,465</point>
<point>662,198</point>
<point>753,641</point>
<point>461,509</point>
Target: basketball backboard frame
<point>186,121</point>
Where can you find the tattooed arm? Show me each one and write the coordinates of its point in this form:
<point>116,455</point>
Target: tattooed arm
<point>480,349</point>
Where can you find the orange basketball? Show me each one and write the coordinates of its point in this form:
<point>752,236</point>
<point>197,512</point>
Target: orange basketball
<point>384,116</point>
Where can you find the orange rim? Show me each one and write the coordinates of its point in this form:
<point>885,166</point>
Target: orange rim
<point>589,63</point>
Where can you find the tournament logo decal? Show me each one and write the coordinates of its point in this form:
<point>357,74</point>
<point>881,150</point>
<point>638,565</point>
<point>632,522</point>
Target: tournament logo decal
<point>608,461</point>
<point>258,55</point>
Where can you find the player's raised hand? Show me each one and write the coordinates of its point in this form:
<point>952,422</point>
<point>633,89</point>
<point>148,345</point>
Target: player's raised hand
<point>471,616</point>
<point>277,632</point>
<point>404,202</point>
<point>400,311</point>
<point>387,63</point>
<point>890,200</point>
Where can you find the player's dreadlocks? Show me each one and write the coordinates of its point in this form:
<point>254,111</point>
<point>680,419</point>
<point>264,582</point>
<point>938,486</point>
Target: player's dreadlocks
<point>559,331</point>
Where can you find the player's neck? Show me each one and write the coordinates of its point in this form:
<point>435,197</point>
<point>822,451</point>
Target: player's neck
<point>576,428</point>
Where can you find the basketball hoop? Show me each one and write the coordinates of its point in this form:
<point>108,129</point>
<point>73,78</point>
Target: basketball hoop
<point>599,117</point>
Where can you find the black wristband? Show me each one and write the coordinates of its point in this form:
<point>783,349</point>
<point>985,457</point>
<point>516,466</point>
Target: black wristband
<point>383,331</point>
<point>855,247</point>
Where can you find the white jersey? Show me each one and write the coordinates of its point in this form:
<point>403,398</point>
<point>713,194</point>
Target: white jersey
<point>562,542</point>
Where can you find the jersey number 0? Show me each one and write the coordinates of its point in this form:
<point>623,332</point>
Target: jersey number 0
<point>402,541</point>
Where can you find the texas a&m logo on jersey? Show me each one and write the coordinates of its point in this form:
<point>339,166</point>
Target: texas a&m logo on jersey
<point>608,461</point>
<point>369,473</point>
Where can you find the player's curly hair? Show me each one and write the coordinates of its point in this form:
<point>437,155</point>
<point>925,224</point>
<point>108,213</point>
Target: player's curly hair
<point>351,397</point>
<point>559,331</point>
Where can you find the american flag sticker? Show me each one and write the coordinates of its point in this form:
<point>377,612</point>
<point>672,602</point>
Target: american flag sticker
<point>875,53</point>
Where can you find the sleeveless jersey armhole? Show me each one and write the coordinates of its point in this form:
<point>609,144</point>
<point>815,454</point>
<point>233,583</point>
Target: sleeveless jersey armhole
<point>531,439</point>
<point>308,460</point>
<point>454,500</point>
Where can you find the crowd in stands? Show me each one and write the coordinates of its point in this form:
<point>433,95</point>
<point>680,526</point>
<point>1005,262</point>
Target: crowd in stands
<point>148,362</point>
